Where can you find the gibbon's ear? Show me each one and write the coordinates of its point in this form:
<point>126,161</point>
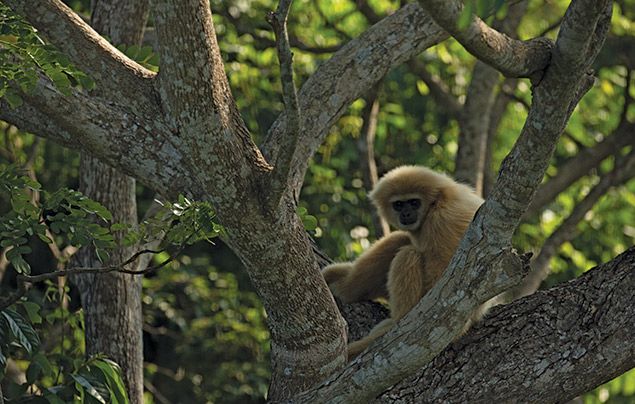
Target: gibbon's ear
<point>444,195</point>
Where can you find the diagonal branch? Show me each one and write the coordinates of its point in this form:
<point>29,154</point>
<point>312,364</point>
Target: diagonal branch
<point>484,263</point>
<point>624,170</point>
<point>514,58</point>
<point>278,180</point>
<point>357,66</point>
<point>517,352</point>
<point>580,165</point>
<point>112,70</point>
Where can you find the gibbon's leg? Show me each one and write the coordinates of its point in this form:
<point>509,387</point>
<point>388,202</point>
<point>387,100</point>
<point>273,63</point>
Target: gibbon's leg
<point>355,348</point>
<point>365,279</point>
<point>408,280</point>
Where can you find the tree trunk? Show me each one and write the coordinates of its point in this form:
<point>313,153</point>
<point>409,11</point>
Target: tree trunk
<point>112,302</point>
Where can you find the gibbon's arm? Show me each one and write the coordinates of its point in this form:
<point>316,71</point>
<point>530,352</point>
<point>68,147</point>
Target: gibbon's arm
<point>366,277</point>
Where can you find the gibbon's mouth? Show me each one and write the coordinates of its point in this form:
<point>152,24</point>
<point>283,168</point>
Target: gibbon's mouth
<point>409,226</point>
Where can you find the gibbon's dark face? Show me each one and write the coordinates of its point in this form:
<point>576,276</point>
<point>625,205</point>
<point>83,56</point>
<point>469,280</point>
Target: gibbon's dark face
<point>408,211</point>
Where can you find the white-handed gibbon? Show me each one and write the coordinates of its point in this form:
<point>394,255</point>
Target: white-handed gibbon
<point>432,212</point>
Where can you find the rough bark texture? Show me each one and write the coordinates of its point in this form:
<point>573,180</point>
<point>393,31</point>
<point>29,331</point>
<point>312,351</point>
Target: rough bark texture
<point>549,347</point>
<point>511,57</point>
<point>112,302</point>
<point>308,340</point>
<point>180,132</point>
<point>484,264</point>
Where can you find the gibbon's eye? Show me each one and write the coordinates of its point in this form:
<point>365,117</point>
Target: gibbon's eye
<point>398,205</point>
<point>414,203</point>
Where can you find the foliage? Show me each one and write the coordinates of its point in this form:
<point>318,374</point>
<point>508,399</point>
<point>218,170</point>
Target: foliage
<point>24,56</point>
<point>205,338</point>
<point>58,373</point>
<point>205,332</point>
<point>64,212</point>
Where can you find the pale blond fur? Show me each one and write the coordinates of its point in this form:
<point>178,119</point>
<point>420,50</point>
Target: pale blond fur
<point>405,265</point>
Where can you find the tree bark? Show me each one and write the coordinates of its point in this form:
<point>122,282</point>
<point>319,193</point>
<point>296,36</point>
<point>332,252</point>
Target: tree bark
<point>112,302</point>
<point>549,347</point>
<point>182,132</point>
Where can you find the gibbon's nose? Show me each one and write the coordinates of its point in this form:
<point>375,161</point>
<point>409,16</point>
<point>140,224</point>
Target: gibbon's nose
<point>407,217</point>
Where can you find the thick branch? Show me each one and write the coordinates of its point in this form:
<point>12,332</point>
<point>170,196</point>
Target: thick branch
<point>511,57</point>
<point>483,264</point>
<point>199,103</point>
<point>549,347</point>
<point>112,71</point>
<point>132,143</point>
<point>356,67</point>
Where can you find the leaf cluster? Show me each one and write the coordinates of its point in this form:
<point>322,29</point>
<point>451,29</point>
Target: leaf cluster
<point>58,378</point>
<point>25,57</point>
<point>64,212</point>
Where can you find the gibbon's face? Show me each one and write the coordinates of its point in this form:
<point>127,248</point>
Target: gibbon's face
<point>408,210</point>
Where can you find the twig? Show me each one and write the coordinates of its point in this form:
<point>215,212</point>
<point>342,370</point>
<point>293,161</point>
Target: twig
<point>628,98</point>
<point>23,279</point>
<point>623,171</point>
<point>278,184</point>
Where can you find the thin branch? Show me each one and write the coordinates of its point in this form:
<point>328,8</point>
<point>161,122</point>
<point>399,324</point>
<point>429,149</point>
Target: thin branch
<point>578,166</point>
<point>628,98</point>
<point>367,10</point>
<point>474,124</point>
<point>551,27</point>
<point>23,279</point>
<point>282,166</point>
<point>624,170</point>
<point>512,57</point>
<point>438,89</point>
<point>366,148</point>
<point>345,77</point>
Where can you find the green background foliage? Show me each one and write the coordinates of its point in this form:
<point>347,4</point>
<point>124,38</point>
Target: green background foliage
<point>205,336</point>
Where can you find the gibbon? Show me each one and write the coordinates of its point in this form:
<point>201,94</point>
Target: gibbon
<point>432,212</point>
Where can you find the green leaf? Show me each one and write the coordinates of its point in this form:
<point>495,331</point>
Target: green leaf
<point>112,373</point>
<point>89,388</point>
<point>33,312</point>
<point>21,330</point>
<point>466,15</point>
